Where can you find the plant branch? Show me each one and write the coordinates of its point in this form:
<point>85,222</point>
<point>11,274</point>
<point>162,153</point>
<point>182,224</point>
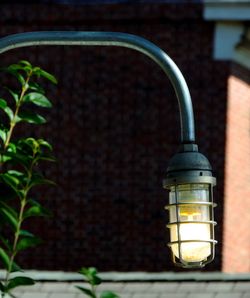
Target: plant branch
<point>23,201</point>
<point>18,180</point>
<point>20,220</point>
<point>93,289</point>
<point>18,105</point>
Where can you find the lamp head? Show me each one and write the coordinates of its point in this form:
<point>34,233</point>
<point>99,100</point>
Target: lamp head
<point>191,220</point>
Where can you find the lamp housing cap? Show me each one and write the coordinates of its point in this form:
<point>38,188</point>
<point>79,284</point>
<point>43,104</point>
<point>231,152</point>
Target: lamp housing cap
<point>189,166</point>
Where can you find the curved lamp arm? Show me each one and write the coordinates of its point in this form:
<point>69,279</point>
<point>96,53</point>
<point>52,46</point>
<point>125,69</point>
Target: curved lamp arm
<point>115,39</point>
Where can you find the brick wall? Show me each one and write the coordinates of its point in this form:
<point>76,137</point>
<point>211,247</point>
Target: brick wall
<point>114,127</point>
<point>236,237</point>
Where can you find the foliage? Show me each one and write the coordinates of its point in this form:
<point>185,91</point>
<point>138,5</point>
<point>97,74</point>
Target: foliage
<point>91,276</point>
<point>19,164</point>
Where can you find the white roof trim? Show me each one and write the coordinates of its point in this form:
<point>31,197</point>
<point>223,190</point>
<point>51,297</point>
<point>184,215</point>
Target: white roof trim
<point>227,35</point>
<point>227,1</point>
<point>226,10</point>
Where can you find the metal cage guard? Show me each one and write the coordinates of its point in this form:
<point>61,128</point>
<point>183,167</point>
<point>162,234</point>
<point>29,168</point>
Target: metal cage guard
<point>115,39</point>
<point>179,261</point>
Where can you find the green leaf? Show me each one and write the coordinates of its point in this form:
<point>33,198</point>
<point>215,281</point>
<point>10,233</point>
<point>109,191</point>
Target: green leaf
<point>39,180</point>
<point>15,173</point>
<point>18,158</point>
<point>20,177</point>
<point>9,214</point>
<point>5,258</point>
<point>2,287</point>
<point>47,76</point>
<point>96,280</point>
<point>15,67</point>
<point>11,147</point>
<point>47,158</point>
<point>26,233</point>
<point>44,143</point>
<point>16,268</point>
<point>37,211</point>
<point>25,63</point>
<point>9,112</point>
<point>33,202</point>
<point>3,103</point>
<point>28,146</point>
<point>27,242</point>
<point>14,70</point>
<point>6,109</point>
<point>108,294</point>
<point>6,261</point>
<point>3,135</point>
<point>10,180</point>
<point>88,271</point>
<point>6,242</point>
<point>20,281</point>
<point>31,117</point>
<point>37,99</point>
<point>92,270</point>
<point>5,158</point>
<point>31,142</point>
<point>86,291</point>
<point>10,218</point>
<point>36,87</point>
<point>13,94</point>
<point>91,275</point>
<point>9,208</point>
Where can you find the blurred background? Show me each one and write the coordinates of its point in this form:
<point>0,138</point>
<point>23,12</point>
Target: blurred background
<point>115,125</point>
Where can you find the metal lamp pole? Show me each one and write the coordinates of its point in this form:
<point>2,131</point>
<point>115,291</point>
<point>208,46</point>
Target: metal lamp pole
<point>189,175</point>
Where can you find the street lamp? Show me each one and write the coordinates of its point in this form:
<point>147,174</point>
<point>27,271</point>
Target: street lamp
<point>189,174</point>
<point>190,181</point>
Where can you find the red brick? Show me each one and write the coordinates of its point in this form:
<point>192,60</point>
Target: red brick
<point>236,236</point>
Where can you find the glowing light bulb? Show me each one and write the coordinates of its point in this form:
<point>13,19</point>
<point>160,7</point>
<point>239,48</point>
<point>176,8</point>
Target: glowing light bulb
<point>192,217</point>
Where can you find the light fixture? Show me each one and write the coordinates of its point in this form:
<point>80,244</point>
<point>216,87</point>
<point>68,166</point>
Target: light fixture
<point>191,220</point>
<point>189,176</point>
